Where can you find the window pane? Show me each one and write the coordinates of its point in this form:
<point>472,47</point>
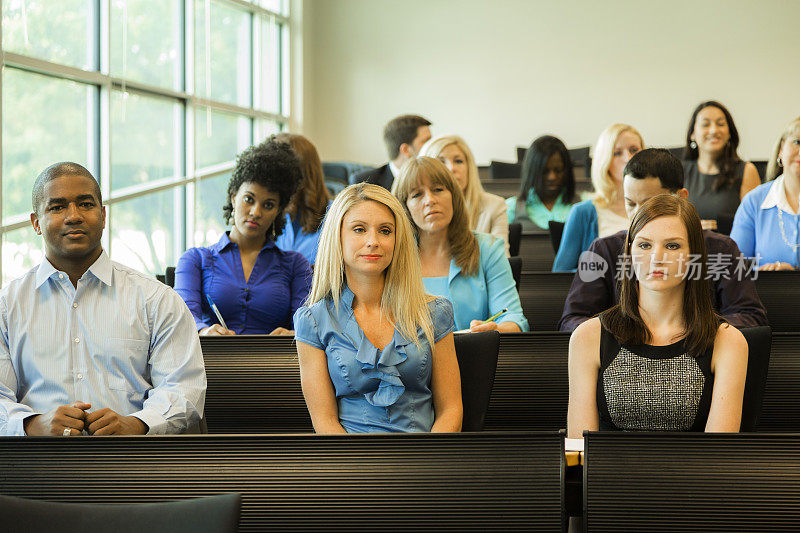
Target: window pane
<point>265,128</point>
<point>269,68</point>
<point>45,120</point>
<point>278,6</point>
<point>143,231</point>
<point>146,41</point>
<point>220,140</point>
<point>222,53</point>
<point>56,31</point>
<point>209,198</point>
<point>146,143</point>
<point>22,250</point>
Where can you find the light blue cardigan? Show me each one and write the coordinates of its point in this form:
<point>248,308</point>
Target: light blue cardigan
<point>579,231</point>
<point>490,290</point>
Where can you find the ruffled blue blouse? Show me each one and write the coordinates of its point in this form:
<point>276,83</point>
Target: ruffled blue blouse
<point>376,390</point>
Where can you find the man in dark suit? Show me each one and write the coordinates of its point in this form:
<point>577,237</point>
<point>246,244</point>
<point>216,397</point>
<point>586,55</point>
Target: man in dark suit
<point>404,136</point>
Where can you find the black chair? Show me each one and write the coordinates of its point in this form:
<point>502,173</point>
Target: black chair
<point>531,385</point>
<point>542,296</point>
<point>335,186</point>
<point>780,410</point>
<point>515,262</point>
<point>556,231</point>
<point>761,167</point>
<point>477,363</point>
<point>498,170</point>
<point>162,278</point>
<point>504,188</point>
<point>677,151</point>
<point>382,482</point>
<point>759,341</point>
<point>169,276</point>
<point>514,235</point>
<point>536,251</point>
<point>780,292</point>
<point>214,514</point>
<point>341,170</point>
<point>579,155</point>
<point>521,150</point>
<point>724,223</point>
<point>699,482</point>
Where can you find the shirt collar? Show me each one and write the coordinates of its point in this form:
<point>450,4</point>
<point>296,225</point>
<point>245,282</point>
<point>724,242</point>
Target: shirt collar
<point>534,199</point>
<point>101,269</point>
<point>395,169</point>
<point>226,241</point>
<point>776,197</point>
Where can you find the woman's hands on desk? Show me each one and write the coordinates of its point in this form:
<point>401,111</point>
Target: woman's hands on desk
<point>216,329</point>
<point>503,327</point>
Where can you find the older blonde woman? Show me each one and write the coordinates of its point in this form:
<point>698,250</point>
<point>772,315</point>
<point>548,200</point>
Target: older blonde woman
<point>376,352</point>
<point>467,267</point>
<point>603,214</point>
<point>486,212</point>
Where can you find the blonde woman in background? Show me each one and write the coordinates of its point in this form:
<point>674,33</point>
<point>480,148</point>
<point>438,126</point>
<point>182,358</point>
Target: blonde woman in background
<point>603,214</point>
<point>486,212</point>
<point>376,352</point>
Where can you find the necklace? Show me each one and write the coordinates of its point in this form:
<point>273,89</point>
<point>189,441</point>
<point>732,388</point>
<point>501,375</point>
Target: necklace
<point>794,247</point>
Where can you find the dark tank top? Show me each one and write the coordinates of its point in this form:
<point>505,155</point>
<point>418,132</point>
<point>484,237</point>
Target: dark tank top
<point>712,204</point>
<point>652,388</point>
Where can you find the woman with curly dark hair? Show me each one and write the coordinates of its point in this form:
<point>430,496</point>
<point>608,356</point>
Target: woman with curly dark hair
<point>254,286</point>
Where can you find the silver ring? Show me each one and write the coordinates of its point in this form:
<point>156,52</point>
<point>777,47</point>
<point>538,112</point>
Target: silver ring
<point>67,432</point>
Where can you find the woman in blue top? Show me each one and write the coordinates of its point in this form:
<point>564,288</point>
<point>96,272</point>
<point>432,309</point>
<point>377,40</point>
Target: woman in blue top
<point>305,212</point>
<point>376,353</point>
<point>767,222</point>
<point>604,213</point>
<point>547,189</point>
<point>467,267</point>
<point>255,286</point>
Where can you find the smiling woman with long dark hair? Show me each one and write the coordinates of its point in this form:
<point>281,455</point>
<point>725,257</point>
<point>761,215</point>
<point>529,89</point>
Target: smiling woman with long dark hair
<point>255,286</point>
<point>661,359</point>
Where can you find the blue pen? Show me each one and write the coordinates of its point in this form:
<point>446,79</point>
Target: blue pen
<point>216,311</point>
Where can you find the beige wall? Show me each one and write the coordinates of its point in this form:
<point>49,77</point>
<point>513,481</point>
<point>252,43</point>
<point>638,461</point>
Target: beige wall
<point>502,72</point>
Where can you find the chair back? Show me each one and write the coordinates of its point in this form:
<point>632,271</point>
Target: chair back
<point>514,235</point>
<point>499,170</point>
<point>169,276</point>
<point>213,514</point>
<point>759,341</point>
<point>556,230</point>
<point>516,269</point>
<point>477,363</point>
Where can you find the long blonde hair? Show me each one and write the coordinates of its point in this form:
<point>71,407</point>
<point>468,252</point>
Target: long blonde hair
<point>473,190</point>
<point>603,183</point>
<point>404,298</point>
<point>463,244</point>
<point>773,169</point>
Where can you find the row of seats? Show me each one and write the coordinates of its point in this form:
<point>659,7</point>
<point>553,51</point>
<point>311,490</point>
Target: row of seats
<point>449,482</point>
<point>254,383</point>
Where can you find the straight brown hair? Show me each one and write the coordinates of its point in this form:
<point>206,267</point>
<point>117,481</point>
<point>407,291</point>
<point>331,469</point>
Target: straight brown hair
<point>624,320</point>
<point>310,201</point>
<point>463,244</point>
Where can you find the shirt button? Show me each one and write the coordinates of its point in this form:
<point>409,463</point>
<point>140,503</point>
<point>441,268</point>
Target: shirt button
<point>77,339</point>
<point>74,305</point>
<point>61,276</point>
<point>80,376</point>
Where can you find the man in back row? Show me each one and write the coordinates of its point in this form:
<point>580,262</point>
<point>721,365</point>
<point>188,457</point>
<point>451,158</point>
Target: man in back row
<point>403,136</point>
<point>89,345</point>
<point>649,173</point>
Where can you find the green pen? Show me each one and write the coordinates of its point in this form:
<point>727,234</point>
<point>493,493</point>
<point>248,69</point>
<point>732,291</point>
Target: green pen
<point>491,318</point>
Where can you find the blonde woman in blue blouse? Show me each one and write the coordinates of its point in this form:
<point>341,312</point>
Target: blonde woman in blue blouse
<point>376,352</point>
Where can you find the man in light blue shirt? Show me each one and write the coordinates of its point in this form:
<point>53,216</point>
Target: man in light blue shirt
<point>88,345</point>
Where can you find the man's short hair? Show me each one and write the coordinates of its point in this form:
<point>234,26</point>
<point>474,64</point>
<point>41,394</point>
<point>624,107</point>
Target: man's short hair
<point>65,168</point>
<point>656,163</point>
<point>402,130</point>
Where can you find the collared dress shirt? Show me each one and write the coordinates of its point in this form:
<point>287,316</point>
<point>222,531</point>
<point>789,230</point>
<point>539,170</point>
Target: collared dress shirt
<point>757,228</point>
<point>119,340</point>
<point>276,288</point>
<point>386,390</point>
<point>733,295</point>
<point>490,290</point>
<point>294,238</point>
